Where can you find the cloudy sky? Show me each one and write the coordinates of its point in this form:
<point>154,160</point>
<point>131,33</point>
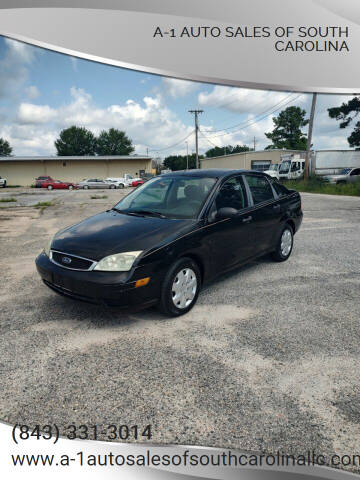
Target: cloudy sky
<point>42,92</point>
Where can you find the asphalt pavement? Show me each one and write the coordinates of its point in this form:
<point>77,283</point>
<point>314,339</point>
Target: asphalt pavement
<point>267,360</point>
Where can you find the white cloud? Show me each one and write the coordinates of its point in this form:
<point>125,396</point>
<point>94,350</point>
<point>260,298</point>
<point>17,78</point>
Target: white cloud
<point>14,67</point>
<point>148,123</point>
<point>243,100</point>
<point>177,88</point>
<point>32,92</point>
<point>35,114</point>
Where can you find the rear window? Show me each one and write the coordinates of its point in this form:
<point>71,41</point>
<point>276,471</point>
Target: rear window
<point>260,188</point>
<point>280,189</point>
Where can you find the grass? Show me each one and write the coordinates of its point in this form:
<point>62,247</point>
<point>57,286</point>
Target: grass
<point>43,204</point>
<point>318,185</point>
<point>98,197</point>
<point>8,199</point>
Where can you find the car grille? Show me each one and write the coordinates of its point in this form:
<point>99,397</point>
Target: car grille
<point>71,261</point>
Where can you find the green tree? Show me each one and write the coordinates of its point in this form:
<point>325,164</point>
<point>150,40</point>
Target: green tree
<point>5,149</point>
<point>113,142</point>
<point>218,151</point>
<point>287,129</point>
<point>178,162</point>
<point>346,113</point>
<point>76,141</point>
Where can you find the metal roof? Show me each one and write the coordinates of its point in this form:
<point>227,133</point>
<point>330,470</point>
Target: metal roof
<point>254,152</point>
<point>80,157</point>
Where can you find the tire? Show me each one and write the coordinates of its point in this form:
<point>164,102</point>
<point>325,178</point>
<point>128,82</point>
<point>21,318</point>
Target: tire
<point>4,185</point>
<point>86,187</point>
<point>183,270</point>
<point>70,187</point>
<point>49,187</point>
<point>121,185</point>
<point>112,187</point>
<point>284,245</point>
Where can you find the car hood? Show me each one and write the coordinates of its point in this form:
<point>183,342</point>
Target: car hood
<point>113,232</point>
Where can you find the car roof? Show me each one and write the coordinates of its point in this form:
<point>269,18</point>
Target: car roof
<point>210,172</point>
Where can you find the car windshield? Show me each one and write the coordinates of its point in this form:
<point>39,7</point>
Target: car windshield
<point>345,171</point>
<point>284,167</point>
<point>171,197</point>
<point>273,167</point>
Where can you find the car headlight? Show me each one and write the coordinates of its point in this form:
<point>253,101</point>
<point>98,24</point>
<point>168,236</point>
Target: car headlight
<point>47,247</point>
<point>119,262</point>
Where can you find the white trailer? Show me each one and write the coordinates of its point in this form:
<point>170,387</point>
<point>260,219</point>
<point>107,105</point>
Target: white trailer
<point>331,162</point>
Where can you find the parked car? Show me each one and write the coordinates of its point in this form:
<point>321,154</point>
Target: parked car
<point>39,181</point>
<point>121,182</point>
<point>168,237</point>
<point>273,170</point>
<point>57,184</point>
<point>136,183</point>
<point>95,183</point>
<point>346,175</point>
<point>2,182</point>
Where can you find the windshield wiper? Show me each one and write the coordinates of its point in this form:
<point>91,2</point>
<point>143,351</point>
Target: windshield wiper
<point>151,213</point>
<point>124,212</point>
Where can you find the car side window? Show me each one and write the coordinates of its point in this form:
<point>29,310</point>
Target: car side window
<point>280,189</point>
<point>232,194</point>
<point>260,188</point>
<point>355,172</point>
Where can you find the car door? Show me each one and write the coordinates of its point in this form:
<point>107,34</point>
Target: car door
<point>354,175</point>
<point>229,240</point>
<point>266,214</point>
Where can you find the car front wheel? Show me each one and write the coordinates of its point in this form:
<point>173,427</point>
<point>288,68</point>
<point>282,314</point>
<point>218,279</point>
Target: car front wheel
<point>181,288</point>
<point>285,245</point>
<point>86,187</point>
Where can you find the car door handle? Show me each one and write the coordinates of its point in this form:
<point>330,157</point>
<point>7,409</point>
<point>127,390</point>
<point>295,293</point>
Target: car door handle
<point>276,207</point>
<point>247,219</point>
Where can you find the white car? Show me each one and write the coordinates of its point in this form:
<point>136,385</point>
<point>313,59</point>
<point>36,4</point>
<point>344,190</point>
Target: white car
<point>2,182</point>
<point>347,175</point>
<point>273,170</point>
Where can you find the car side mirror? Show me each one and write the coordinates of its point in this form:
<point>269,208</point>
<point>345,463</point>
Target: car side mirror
<point>226,212</point>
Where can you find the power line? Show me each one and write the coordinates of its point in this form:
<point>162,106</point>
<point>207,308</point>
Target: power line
<point>253,122</point>
<point>262,113</point>
<point>171,146</point>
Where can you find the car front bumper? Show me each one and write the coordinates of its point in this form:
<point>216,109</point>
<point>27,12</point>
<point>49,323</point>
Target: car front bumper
<point>104,288</point>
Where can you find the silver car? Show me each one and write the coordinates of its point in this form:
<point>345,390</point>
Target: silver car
<point>347,175</point>
<point>95,183</point>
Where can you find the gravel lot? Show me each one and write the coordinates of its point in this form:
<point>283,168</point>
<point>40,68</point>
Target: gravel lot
<point>268,359</point>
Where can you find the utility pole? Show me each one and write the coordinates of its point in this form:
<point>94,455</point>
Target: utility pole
<point>196,113</point>
<point>147,151</point>
<point>308,143</point>
<point>187,155</point>
<point>254,144</point>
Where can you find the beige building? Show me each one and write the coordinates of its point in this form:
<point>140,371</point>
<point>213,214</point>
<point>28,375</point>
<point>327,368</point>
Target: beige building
<point>23,170</point>
<point>258,160</point>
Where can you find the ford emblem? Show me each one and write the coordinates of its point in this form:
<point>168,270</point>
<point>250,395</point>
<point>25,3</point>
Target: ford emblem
<point>66,260</point>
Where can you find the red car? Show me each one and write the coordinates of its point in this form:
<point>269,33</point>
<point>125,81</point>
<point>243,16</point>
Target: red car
<point>50,184</point>
<point>136,183</point>
<point>40,180</point>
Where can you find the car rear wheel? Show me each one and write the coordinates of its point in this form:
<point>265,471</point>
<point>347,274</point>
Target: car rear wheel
<point>86,187</point>
<point>285,244</point>
<point>112,186</point>
<point>49,187</point>
<point>121,185</point>
<point>181,288</point>
<point>70,187</point>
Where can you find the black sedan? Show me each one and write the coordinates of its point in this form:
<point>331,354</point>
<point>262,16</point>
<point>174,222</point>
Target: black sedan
<point>168,237</point>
